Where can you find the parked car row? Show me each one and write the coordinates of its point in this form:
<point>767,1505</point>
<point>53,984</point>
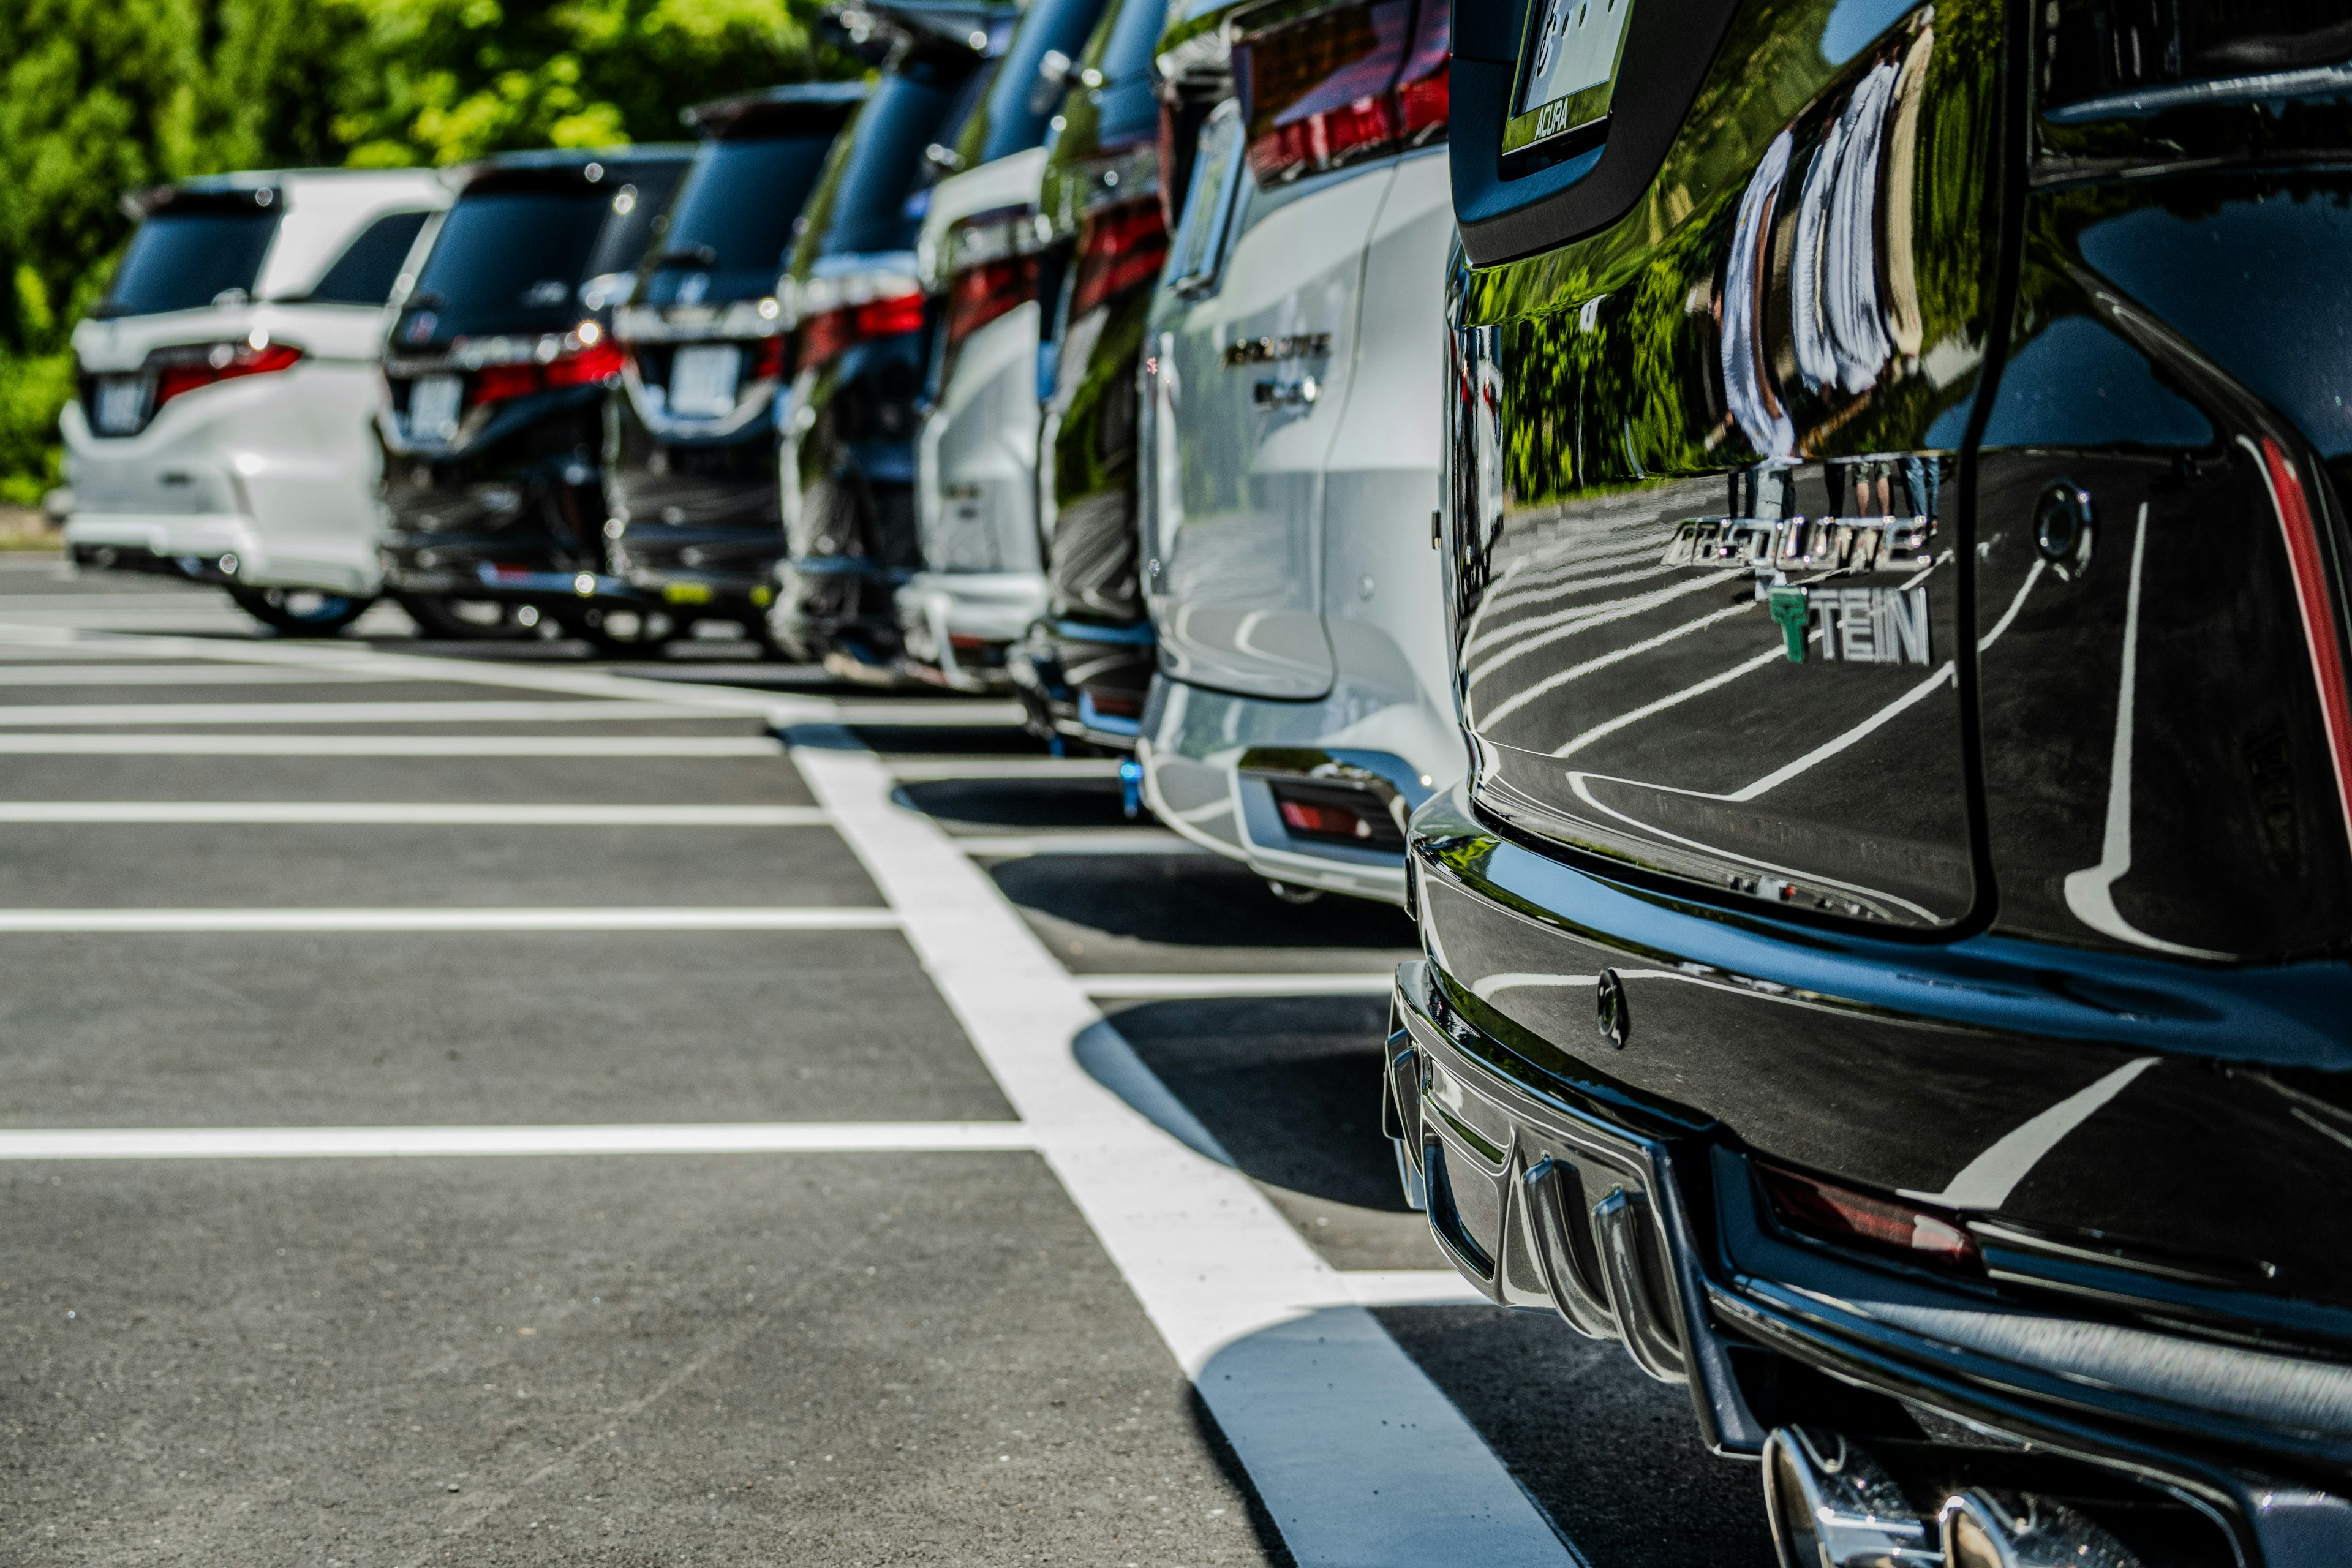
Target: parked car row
<point>1803,543</point>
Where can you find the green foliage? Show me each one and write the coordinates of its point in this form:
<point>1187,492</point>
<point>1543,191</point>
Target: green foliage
<point>99,98</point>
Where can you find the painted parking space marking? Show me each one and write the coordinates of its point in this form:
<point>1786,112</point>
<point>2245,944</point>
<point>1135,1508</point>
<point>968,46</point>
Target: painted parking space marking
<point>435,1142</point>
<point>1169,987</point>
<point>407,814</point>
<point>1357,1455</point>
<point>587,710</point>
<point>936,770</point>
<point>235,921</point>
<point>1081,841</point>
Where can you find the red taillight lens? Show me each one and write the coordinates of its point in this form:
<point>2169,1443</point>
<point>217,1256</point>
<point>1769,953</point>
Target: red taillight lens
<point>828,332</point>
<point>592,363</point>
<point>582,367</point>
<point>187,369</point>
<point>768,359</point>
<point>1883,1225</point>
<point>1324,821</point>
<point>978,295</point>
<point>1120,247</point>
<point>1347,83</point>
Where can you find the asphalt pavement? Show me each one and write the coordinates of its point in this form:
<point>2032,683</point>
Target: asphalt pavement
<point>475,1103</point>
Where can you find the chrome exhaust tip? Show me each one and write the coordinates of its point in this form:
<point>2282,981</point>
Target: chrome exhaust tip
<point>1831,1505</point>
<point>1986,1529</point>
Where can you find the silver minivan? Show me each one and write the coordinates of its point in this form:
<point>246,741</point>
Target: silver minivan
<point>1291,375</point>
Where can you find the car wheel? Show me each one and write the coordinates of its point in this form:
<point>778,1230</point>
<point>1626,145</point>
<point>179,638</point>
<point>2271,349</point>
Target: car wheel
<point>301,612</point>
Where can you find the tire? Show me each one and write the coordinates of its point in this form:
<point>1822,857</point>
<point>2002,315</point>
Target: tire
<point>623,632</point>
<point>447,617</point>
<point>301,612</point>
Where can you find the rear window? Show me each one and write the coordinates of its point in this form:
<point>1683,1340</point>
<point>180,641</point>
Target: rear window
<point>733,221</point>
<point>645,190</point>
<point>864,204</point>
<point>1023,95</point>
<point>364,273</point>
<point>2098,48</point>
<point>185,260</point>
<point>511,258</point>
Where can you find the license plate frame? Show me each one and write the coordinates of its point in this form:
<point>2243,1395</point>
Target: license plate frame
<point>704,379</point>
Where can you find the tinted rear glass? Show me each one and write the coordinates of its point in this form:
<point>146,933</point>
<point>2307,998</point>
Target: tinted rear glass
<point>733,221</point>
<point>644,191</point>
<point>1127,51</point>
<point>182,260</point>
<point>864,206</point>
<point>512,257</point>
<point>363,274</point>
<point>1022,99</point>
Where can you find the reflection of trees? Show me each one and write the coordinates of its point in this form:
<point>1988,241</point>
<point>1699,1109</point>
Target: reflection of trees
<point>1613,366</point>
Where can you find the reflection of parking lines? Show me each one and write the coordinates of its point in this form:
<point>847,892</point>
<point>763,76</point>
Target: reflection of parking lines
<point>1591,615</point>
<point>1564,586</point>
<point>1558,678</point>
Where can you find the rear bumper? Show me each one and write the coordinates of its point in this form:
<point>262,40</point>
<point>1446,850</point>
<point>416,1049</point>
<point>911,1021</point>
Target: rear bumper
<point>955,627</point>
<point>212,547</point>
<point>1553,1186</point>
<point>1083,680</point>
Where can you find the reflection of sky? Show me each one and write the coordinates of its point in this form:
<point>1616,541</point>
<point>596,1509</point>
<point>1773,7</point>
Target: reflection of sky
<point>2259,285</point>
<point>1577,48</point>
<point>1854,23</point>
<point>2076,383</point>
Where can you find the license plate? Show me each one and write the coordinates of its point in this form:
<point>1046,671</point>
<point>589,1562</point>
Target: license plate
<point>433,408</point>
<point>702,380</point>
<point>121,405</point>
<point>1568,73</point>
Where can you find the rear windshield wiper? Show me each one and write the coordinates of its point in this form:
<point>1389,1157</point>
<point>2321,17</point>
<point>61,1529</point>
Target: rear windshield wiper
<point>687,256</point>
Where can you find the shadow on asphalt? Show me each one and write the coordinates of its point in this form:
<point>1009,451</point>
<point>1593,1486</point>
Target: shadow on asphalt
<point>1193,901</point>
<point>1289,1086</point>
<point>1612,1456</point>
<point>1020,803</point>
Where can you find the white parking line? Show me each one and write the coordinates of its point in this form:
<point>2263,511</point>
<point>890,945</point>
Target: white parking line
<point>230,921</point>
<point>994,715</point>
<point>1411,1287</point>
<point>931,770</point>
<point>62,714</point>
<point>218,745</point>
<point>1096,841</point>
<point>92,674</point>
<point>426,1143</point>
<point>1359,1458</point>
<point>1106,987</point>
<point>408,814</point>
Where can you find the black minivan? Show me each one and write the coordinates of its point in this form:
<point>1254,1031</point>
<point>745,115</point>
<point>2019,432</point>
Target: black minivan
<point>859,343</point>
<point>1887,966</point>
<point>497,363</point>
<point>691,452</point>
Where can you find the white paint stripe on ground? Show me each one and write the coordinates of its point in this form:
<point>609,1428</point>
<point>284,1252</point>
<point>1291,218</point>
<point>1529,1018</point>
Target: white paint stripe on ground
<point>994,715</point>
<point>1106,987</point>
<point>93,674</point>
<point>931,770</point>
<point>221,745</point>
<point>426,1143</point>
<point>1361,1460</point>
<point>1099,841</point>
<point>408,814</point>
<point>586,711</point>
<point>1411,1287</point>
<point>227,921</point>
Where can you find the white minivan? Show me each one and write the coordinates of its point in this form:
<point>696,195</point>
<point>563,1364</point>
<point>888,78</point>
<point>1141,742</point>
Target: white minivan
<point>228,384</point>
<point>1292,375</point>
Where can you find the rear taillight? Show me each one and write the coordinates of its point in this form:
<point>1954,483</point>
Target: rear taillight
<point>1120,247</point>
<point>1350,81</point>
<point>1833,1213</point>
<point>768,359</point>
<point>828,332</point>
<point>978,295</point>
<point>1338,813</point>
<point>591,365</point>
<point>186,369</point>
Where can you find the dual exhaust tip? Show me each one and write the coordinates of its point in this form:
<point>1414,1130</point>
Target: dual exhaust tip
<point>1832,1506</point>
